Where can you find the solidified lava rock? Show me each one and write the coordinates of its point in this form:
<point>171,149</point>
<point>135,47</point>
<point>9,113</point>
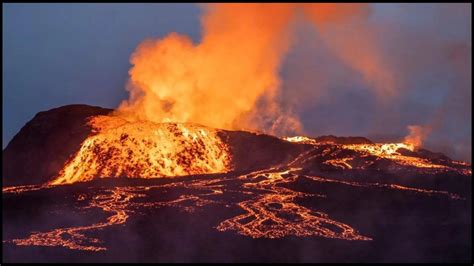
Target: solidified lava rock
<point>42,147</point>
<point>45,143</point>
<point>343,140</point>
<point>250,151</point>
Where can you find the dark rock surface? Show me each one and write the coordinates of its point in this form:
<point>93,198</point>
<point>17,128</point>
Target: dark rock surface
<point>45,143</point>
<point>410,213</point>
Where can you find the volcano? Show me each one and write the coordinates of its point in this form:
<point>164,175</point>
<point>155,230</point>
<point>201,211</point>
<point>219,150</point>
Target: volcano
<point>82,180</point>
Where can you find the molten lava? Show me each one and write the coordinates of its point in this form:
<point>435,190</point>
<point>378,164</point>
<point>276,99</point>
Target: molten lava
<point>145,149</point>
<point>264,203</point>
<point>390,151</point>
<point>271,210</point>
<point>301,139</point>
<point>275,213</point>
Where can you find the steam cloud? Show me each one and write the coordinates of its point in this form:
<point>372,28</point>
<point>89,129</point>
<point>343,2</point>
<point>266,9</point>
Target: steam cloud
<point>232,78</point>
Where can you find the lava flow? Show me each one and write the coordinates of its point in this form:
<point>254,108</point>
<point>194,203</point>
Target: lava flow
<point>146,150</point>
<point>257,186</point>
<point>270,209</point>
<point>390,151</point>
<point>114,201</point>
<point>275,214</point>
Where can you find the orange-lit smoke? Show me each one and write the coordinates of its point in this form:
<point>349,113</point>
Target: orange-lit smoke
<point>417,134</point>
<point>220,82</point>
<point>230,79</point>
<point>346,31</point>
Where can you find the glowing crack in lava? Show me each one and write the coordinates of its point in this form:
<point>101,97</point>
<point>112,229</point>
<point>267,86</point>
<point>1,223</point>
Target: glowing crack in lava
<point>271,210</point>
<point>275,214</point>
<point>145,149</point>
<point>390,151</point>
<point>114,201</point>
<point>301,139</point>
<point>118,201</point>
<point>262,203</point>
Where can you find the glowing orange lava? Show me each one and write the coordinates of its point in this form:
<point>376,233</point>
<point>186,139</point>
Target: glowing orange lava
<point>390,151</point>
<point>114,201</point>
<point>272,211</point>
<point>301,139</point>
<point>275,214</point>
<point>145,149</point>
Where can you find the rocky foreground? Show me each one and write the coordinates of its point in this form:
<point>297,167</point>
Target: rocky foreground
<point>81,185</point>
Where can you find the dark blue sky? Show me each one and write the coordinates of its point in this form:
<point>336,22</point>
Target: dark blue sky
<point>58,54</point>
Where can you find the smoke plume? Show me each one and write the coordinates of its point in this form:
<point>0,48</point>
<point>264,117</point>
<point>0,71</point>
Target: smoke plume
<point>230,79</point>
<point>417,135</point>
<point>379,72</point>
<point>223,80</point>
